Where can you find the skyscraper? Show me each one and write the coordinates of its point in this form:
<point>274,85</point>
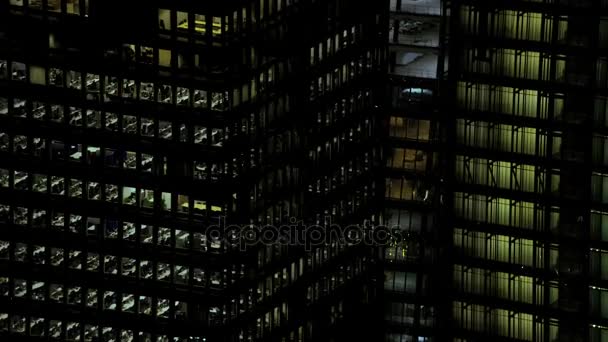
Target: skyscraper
<point>520,215</point>
<point>413,165</point>
<point>133,131</point>
<point>127,128</point>
<point>528,80</point>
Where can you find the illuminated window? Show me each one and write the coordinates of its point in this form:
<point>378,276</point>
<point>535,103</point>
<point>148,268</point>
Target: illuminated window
<point>54,5</point>
<point>72,6</point>
<point>599,225</point>
<point>599,187</point>
<point>409,128</point>
<point>408,159</point>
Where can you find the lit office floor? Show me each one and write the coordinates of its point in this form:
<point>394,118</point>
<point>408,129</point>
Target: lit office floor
<point>418,6</point>
<point>412,31</point>
<point>72,6</point>
<point>422,63</point>
<point>401,189</point>
<point>407,159</point>
<point>407,128</point>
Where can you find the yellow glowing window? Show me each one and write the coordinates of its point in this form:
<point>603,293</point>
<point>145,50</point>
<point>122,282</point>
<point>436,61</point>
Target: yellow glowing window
<point>72,6</point>
<point>202,205</point>
<point>200,26</point>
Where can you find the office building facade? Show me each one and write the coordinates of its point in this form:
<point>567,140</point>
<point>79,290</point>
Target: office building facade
<point>127,128</point>
<point>528,79</point>
<point>412,168</point>
<point>519,230</point>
